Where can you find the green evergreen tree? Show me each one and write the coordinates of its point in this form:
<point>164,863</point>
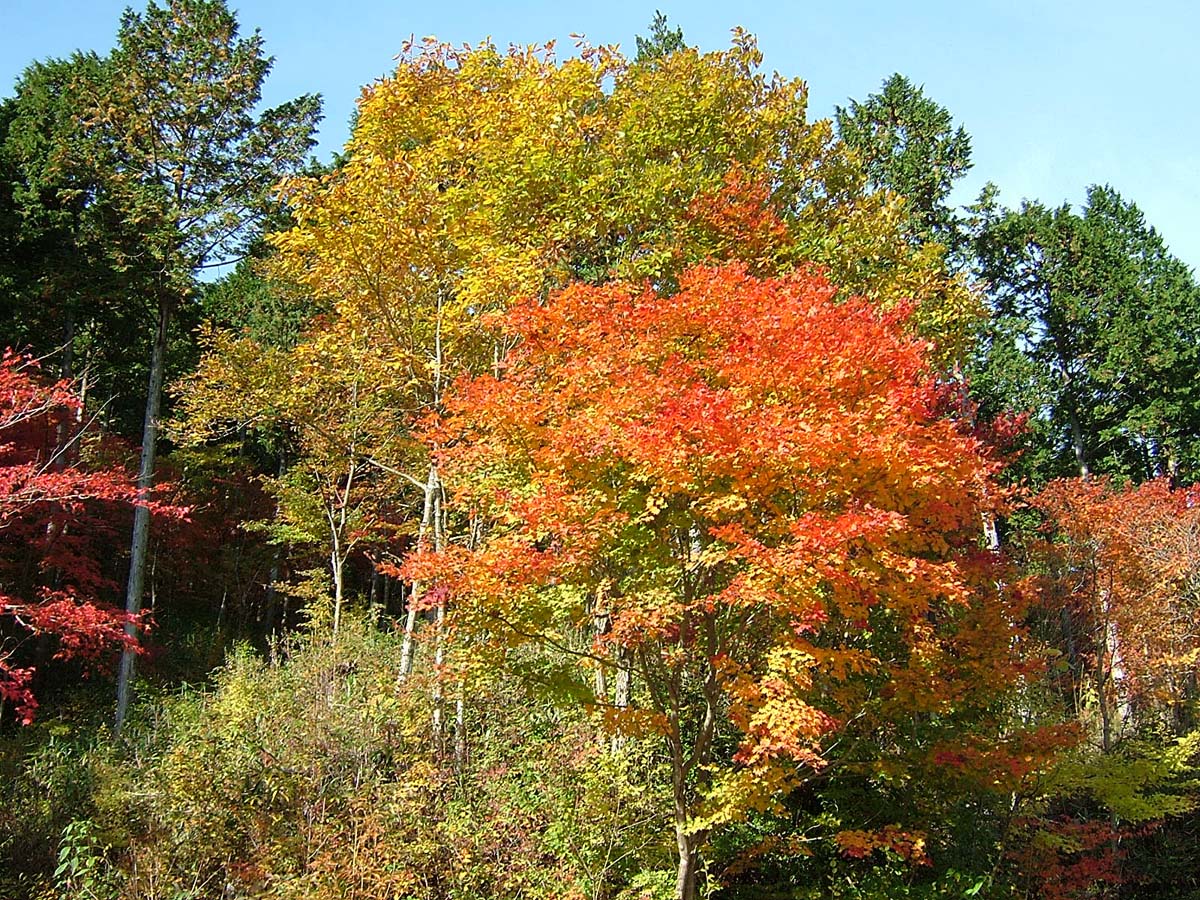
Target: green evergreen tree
<point>1096,332</point>
<point>907,143</point>
<point>197,165</point>
<point>73,258</point>
<point>662,42</point>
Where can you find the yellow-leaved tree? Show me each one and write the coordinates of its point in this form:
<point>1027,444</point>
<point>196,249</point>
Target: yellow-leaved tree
<point>477,176</point>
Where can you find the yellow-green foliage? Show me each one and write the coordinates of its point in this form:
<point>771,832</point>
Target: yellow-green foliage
<point>475,177</point>
<point>1140,782</point>
<point>314,775</point>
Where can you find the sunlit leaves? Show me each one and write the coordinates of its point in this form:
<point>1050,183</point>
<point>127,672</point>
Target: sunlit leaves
<point>476,177</point>
<point>759,481</point>
<point>1126,568</point>
<point>45,488</point>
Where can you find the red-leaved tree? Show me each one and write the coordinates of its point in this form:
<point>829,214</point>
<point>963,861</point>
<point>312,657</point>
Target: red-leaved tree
<point>53,510</point>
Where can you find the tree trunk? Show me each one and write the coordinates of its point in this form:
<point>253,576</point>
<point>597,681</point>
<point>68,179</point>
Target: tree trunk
<point>991,532</point>
<point>374,597</point>
<point>410,618</point>
<point>338,565</point>
<point>1120,713</point>
<point>141,515</point>
<point>439,635</point>
<point>600,627</point>
<point>66,372</point>
<point>684,764</point>
<point>689,859</point>
<point>687,842</point>
<point>62,432</point>
<point>269,609</point>
<point>460,729</point>
<point>621,692</point>
<point>341,546</point>
<point>439,657</point>
<point>268,613</point>
<point>1078,447</point>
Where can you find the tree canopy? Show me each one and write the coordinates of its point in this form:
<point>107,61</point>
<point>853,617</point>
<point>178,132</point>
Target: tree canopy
<point>600,480</point>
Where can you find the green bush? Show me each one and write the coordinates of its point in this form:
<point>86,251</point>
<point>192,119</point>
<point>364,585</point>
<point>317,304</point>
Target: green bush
<point>314,774</point>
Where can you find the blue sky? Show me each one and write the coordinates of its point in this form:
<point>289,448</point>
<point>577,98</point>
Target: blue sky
<point>1056,95</point>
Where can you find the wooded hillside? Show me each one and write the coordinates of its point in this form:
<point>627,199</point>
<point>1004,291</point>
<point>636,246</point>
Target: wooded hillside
<point>600,480</point>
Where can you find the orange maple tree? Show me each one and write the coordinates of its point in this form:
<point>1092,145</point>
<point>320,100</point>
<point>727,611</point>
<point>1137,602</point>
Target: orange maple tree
<point>748,493</point>
<point>1125,567</point>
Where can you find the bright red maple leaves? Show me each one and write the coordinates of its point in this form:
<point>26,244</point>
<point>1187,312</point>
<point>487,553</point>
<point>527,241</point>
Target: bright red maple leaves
<point>52,507</point>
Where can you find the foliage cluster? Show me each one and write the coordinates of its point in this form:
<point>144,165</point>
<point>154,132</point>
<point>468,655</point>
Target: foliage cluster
<point>313,776</point>
<point>601,481</point>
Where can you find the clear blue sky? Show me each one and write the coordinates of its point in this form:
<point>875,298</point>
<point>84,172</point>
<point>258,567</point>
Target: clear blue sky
<point>1056,94</point>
